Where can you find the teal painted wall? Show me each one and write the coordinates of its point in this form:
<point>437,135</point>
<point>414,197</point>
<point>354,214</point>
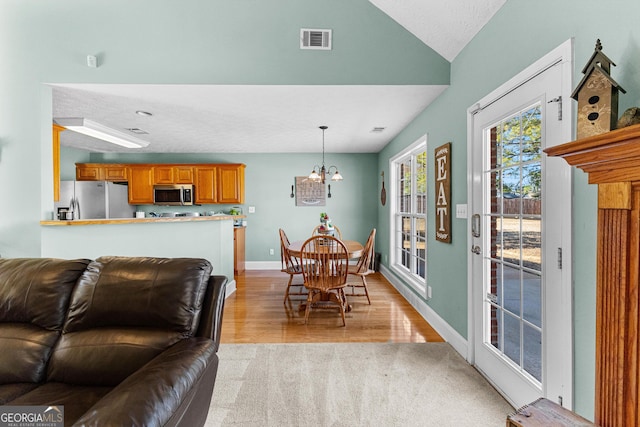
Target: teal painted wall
<point>268,181</point>
<point>205,41</point>
<point>163,41</point>
<point>519,34</point>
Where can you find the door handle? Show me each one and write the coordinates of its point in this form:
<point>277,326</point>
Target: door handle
<point>476,249</point>
<point>475,225</point>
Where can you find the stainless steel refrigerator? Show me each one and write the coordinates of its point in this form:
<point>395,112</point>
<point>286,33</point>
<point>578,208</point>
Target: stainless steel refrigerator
<point>95,199</point>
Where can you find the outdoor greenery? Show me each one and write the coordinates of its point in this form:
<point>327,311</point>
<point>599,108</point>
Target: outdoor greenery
<point>520,138</point>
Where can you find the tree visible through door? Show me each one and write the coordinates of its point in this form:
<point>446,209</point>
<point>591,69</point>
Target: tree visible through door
<point>514,297</point>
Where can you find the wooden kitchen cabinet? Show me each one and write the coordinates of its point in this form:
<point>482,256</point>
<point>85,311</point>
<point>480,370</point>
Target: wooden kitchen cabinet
<point>101,172</point>
<point>205,182</point>
<point>140,185</point>
<point>56,161</point>
<point>170,174</point>
<point>214,183</point>
<point>230,183</point>
<point>89,172</point>
<point>115,173</point>
<point>238,250</point>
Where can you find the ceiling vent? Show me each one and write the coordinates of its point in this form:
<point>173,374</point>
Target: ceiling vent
<point>315,39</point>
<point>138,131</point>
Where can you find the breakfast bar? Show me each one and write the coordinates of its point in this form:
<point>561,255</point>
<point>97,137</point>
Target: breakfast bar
<point>208,237</point>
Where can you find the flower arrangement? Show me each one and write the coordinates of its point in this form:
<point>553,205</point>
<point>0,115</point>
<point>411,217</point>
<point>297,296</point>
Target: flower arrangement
<point>325,222</point>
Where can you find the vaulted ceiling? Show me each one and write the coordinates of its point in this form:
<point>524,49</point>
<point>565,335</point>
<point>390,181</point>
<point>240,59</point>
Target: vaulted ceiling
<point>277,118</point>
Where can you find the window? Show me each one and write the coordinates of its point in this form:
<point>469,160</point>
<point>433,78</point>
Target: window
<point>409,214</point>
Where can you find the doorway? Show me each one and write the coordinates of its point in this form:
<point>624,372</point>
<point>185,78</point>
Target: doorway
<point>520,234</point>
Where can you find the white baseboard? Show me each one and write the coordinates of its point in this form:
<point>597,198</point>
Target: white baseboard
<point>262,265</point>
<point>450,335</point>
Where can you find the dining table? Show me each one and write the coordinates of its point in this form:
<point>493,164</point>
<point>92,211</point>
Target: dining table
<point>354,248</point>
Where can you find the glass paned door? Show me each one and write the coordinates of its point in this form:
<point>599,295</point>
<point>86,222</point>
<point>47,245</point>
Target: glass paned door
<point>513,301</point>
<point>520,201</point>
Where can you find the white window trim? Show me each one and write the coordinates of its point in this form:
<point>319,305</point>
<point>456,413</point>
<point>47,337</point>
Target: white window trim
<point>418,284</point>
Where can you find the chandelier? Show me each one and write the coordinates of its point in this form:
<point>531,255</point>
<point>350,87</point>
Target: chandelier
<point>318,173</point>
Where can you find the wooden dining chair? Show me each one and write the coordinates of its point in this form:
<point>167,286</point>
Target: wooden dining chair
<point>325,266</point>
<point>316,232</point>
<point>363,268</point>
<point>291,266</point>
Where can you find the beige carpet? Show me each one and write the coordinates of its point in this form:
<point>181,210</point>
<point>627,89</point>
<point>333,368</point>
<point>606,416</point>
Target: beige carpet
<point>355,384</point>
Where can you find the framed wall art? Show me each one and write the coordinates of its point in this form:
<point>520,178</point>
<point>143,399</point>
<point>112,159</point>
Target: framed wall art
<point>309,192</point>
<point>443,193</point>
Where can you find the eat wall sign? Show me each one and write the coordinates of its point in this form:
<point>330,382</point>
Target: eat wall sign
<point>443,193</point>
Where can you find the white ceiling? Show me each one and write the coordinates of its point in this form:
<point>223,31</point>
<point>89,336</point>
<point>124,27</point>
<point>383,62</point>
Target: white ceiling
<point>444,26</point>
<point>249,119</point>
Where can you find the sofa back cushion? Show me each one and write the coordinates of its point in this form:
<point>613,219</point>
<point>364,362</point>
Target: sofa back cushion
<point>34,297</point>
<point>125,311</point>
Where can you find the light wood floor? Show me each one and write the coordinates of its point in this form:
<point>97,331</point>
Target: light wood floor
<point>255,313</point>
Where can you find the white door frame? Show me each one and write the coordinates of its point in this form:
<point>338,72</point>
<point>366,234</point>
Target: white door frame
<point>563,55</point>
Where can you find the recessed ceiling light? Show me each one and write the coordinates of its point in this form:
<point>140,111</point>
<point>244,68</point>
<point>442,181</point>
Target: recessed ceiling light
<point>143,113</point>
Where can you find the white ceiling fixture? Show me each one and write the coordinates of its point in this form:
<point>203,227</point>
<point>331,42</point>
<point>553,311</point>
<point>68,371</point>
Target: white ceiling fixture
<point>96,130</point>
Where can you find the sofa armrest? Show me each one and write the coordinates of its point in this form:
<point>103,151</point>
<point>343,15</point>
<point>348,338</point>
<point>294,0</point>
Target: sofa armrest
<point>156,392</point>
<point>212,308</point>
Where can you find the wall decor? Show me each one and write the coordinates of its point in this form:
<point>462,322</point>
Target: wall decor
<point>309,192</point>
<point>443,192</point>
<point>597,96</point>
<point>383,192</point>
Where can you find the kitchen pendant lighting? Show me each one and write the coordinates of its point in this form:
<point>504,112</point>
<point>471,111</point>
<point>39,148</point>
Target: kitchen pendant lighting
<point>96,130</point>
<point>319,172</point>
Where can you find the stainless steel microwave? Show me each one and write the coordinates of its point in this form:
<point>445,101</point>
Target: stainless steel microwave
<point>173,195</point>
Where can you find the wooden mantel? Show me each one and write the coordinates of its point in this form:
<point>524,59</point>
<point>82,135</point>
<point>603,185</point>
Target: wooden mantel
<point>612,161</point>
<point>609,157</point>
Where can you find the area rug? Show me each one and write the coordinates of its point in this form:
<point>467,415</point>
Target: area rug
<point>351,384</point>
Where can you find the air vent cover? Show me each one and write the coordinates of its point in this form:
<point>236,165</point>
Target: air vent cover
<point>138,131</point>
<point>315,39</point>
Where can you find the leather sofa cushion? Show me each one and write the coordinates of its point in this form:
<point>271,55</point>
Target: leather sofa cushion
<point>106,356</point>
<point>37,290</point>
<point>34,297</point>
<point>9,392</point>
<point>125,311</point>
<point>163,392</point>
<point>75,399</point>
<point>161,293</point>
<point>25,351</point>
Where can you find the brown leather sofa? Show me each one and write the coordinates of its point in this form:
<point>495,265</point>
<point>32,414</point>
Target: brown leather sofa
<point>118,341</point>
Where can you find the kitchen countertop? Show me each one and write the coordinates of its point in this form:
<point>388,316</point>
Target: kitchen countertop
<point>143,220</point>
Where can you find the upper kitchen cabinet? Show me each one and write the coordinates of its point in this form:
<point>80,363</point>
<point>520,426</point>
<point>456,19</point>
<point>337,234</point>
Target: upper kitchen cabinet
<point>219,183</point>
<point>101,172</point>
<point>230,183</point>
<point>206,189</point>
<point>214,183</point>
<point>170,174</point>
<point>140,185</point>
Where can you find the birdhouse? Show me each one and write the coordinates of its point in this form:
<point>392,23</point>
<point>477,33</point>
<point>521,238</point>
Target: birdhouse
<point>597,96</point>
